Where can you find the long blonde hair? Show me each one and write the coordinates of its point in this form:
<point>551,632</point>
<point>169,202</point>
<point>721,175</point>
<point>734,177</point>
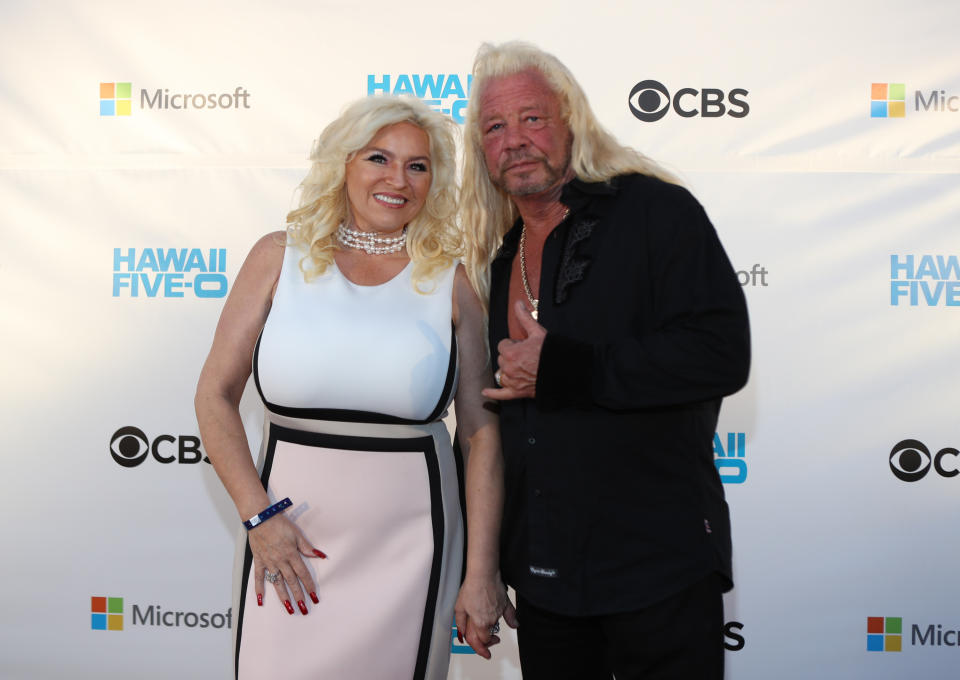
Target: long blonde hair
<point>487,212</point>
<point>433,239</point>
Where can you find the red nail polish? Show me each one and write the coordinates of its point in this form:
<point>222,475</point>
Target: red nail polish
<point>459,636</point>
<point>320,554</point>
<point>303,607</point>
<point>259,599</point>
<point>313,596</point>
<point>286,603</point>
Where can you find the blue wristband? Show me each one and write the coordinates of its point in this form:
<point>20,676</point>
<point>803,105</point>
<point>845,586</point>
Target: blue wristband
<point>268,513</point>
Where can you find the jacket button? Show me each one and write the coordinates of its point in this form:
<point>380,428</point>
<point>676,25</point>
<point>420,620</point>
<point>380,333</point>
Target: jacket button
<point>536,492</point>
<point>532,441</point>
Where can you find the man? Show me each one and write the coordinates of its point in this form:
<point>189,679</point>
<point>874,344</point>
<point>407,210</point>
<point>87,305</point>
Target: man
<point>618,324</point>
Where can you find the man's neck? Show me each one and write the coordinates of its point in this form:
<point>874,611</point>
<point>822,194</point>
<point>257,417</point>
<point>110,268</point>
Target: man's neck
<point>542,212</point>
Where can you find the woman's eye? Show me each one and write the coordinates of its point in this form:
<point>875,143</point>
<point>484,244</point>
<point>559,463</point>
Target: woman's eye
<point>377,158</point>
<point>419,167</point>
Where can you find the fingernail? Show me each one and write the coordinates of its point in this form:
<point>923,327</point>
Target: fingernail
<point>259,599</point>
<point>320,554</point>
<point>303,607</point>
<point>459,636</point>
<point>286,603</point>
<point>313,596</point>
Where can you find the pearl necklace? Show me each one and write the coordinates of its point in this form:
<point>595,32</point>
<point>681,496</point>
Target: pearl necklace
<point>369,242</point>
<point>534,302</point>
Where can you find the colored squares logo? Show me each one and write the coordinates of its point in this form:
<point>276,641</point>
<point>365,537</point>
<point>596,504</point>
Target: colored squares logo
<point>888,100</point>
<point>884,634</point>
<point>106,613</point>
<point>115,99</point>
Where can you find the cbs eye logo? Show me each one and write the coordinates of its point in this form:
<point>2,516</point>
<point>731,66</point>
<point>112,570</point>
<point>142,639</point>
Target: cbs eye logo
<point>130,446</point>
<point>650,101</point>
<point>910,461</point>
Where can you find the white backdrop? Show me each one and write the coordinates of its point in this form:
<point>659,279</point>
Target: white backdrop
<point>826,211</point>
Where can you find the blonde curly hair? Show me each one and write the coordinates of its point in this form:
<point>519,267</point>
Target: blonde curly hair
<point>433,240</point>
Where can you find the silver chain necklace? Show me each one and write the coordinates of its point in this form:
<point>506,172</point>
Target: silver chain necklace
<point>534,302</point>
<point>370,243</point>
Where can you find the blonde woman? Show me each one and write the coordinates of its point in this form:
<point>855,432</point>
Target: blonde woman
<point>360,327</point>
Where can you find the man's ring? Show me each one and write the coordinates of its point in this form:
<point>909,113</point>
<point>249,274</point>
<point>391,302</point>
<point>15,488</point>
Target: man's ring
<point>495,628</point>
<point>497,376</point>
<point>273,578</point>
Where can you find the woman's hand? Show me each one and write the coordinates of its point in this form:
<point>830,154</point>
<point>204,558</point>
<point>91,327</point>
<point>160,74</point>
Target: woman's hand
<point>480,604</point>
<point>278,547</point>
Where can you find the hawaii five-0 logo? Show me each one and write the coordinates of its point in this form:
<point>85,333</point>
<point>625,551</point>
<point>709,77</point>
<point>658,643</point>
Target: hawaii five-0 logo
<point>457,647</point>
<point>447,93</point>
<point>169,272</point>
<point>730,459</point>
<point>924,280</point>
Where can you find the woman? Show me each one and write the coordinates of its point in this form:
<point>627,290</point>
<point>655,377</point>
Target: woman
<point>346,320</point>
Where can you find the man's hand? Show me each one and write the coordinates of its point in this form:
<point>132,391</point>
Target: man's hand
<point>519,360</point>
<point>480,605</point>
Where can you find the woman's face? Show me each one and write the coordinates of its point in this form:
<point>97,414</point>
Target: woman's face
<point>387,181</point>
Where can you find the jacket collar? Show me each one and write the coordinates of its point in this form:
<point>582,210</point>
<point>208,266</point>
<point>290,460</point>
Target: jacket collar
<point>576,194</point>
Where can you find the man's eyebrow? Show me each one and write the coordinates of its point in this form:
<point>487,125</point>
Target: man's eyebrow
<point>536,106</point>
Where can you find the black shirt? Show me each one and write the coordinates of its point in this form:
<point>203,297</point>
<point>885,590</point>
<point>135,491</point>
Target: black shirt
<point>612,498</point>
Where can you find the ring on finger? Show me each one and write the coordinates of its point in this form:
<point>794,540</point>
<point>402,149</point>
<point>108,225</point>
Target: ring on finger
<point>271,577</point>
<point>495,628</point>
<point>498,378</point>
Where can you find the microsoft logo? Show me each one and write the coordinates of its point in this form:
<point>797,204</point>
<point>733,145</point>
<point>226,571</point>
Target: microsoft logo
<point>888,100</point>
<point>106,613</point>
<point>884,634</point>
<point>115,99</point>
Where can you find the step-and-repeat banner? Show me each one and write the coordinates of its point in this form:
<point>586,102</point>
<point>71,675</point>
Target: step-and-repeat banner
<point>143,150</point>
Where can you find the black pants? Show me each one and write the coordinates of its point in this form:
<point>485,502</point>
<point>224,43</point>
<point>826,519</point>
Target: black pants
<point>680,638</point>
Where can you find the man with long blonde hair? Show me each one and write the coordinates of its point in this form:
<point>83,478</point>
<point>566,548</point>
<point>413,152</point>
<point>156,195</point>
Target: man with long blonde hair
<point>618,324</point>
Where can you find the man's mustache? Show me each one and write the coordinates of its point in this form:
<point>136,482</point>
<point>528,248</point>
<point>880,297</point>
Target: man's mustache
<point>515,157</point>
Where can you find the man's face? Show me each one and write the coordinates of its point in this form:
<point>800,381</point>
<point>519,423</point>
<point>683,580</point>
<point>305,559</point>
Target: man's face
<point>526,143</point>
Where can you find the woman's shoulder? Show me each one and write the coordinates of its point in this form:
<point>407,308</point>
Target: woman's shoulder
<point>270,243</point>
<point>269,249</point>
<point>265,260</point>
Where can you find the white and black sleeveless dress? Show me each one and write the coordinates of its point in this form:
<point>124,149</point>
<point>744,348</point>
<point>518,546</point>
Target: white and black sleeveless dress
<point>355,380</point>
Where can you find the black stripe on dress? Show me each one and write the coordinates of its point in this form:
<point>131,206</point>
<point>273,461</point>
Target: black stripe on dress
<point>448,385</point>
